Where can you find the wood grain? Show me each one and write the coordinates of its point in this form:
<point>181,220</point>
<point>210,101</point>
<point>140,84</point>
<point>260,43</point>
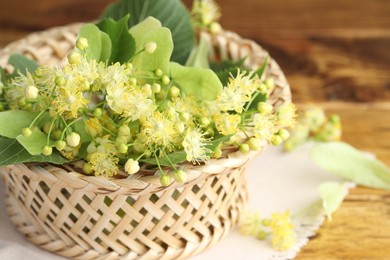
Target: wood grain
<point>333,52</point>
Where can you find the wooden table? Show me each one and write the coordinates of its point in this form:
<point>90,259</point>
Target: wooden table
<point>334,52</point>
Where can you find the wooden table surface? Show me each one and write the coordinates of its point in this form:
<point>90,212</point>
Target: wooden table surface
<point>334,52</point>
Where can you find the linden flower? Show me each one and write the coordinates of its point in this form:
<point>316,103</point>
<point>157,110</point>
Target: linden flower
<point>227,124</point>
<point>232,98</point>
<point>104,164</point>
<point>115,74</point>
<point>206,11</point>
<point>251,224</point>
<point>245,81</point>
<point>286,115</point>
<point>130,101</point>
<point>264,126</point>
<point>194,144</point>
<point>283,235</point>
<point>159,130</point>
<point>69,101</point>
<point>102,145</point>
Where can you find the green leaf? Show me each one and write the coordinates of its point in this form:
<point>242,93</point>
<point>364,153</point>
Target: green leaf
<point>3,76</point>
<point>13,121</point>
<point>21,64</point>
<point>123,43</point>
<point>33,143</point>
<point>226,69</point>
<point>92,33</point>
<point>172,14</point>
<point>12,152</point>
<point>150,30</point>
<point>259,72</point>
<point>198,82</point>
<point>332,195</point>
<point>105,53</point>
<point>345,161</point>
<point>199,55</point>
<point>180,156</point>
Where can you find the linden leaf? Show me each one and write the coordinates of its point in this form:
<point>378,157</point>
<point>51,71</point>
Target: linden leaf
<point>13,121</point>
<point>123,43</point>
<point>332,195</point>
<point>92,33</point>
<point>150,30</point>
<point>13,152</point>
<point>21,64</point>
<point>172,13</point>
<point>105,53</point>
<point>198,82</point>
<point>33,143</point>
<point>345,161</point>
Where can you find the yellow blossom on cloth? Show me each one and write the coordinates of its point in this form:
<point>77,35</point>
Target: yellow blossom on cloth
<point>250,225</point>
<point>283,235</point>
<point>227,124</point>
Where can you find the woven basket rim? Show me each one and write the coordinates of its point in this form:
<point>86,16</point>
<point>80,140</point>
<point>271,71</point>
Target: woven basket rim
<point>137,183</point>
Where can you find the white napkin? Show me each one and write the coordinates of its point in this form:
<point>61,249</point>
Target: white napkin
<point>277,181</point>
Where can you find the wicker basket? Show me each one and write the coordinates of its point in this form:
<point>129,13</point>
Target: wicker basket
<point>85,217</point>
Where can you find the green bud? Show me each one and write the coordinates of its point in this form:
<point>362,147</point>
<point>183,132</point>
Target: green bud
<point>82,43</point>
<point>156,88</point>
<point>210,131</point>
<point>147,88</point>
<point>56,134</point>
<point>60,145</point>
<point>217,153</point>
<point>174,91</point>
<point>124,130</point>
<point>97,112</point>
<point>158,73</point>
<point>269,83</point>
<point>165,180</point>
<point>31,92</point>
<point>215,28</point>
<point>47,150</point>
<point>150,47</point>
<point>165,80</point>
<point>276,140</point>
<point>60,81</point>
<point>87,168</point>
<point>133,81</point>
<point>254,144</point>
<point>26,131</point>
<point>122,148</point>
<point>263,88</point>
<point>180,176</point>
<point>122,139</point>
<point>132,166</point>
<point>129,66</point>
<point>284,134</point>
<point>74,57</point>
<point>264,108</point>
<point>244,148</point>
<point>205,121</point>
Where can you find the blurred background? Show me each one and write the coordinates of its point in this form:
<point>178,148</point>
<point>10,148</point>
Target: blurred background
<point>328,49</point>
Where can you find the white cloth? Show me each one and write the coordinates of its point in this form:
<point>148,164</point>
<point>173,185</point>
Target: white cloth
<point>277,181</point>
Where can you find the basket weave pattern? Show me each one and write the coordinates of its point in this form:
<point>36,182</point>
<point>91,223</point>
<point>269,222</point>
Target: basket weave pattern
<point>86,217</point>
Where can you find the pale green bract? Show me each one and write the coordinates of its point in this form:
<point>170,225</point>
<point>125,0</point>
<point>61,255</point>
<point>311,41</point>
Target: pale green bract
<point>332,195</point>
<point>343,160</point>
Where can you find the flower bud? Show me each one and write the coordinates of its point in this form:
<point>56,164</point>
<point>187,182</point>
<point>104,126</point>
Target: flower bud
<point>122,148</point>
<point>276,140</point>
<point>147,89</point>
<point>26,132</point>
<point>284,134</point>
<point>150,47</point>
<point>254,144</point>
<point>132,166</point>
<point>180,176</point>
<point>215,28</point>
<point>174,91</point>
<point>74,57</point>
<point>264,108</point>
<point>217,153</point>
<point>60,81</point>
<point>133,81</point>
<point>60,145</point>
<point>87,168</point>
<point>244,148</point>
<point>269,83</point>
<point>205,121</point>
<point>156,88</point>
<point>165,80</point>
<point>31,92</point>
<point>124,130</point>
<point>98,112</point>
<point>73,139</point>
<point>165,180</point>
<point>82,43</point>
<point>158,73</point>
<point>47,150</point>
